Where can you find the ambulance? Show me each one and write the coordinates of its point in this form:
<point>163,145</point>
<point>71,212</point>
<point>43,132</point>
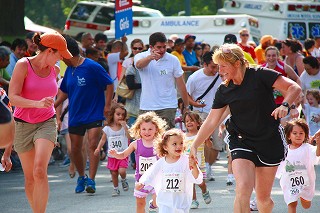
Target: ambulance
<point>207,28</point>
<point>299,19</point>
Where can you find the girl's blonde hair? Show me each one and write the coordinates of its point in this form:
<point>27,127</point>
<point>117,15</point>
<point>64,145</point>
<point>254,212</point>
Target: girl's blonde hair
<point>296,122</point>
<point>165,138</point>
<point>110,117</point>
<point>148,117</point>
<point>272,48</point>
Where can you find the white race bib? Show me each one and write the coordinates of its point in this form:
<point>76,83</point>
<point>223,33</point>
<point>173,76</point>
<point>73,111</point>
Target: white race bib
<point>173,182</point>
<point>297,181</point>
<point>119,143</point>
<point>145,163</point>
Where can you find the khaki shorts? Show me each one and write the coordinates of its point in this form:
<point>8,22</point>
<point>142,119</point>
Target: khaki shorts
<point>26,134</point>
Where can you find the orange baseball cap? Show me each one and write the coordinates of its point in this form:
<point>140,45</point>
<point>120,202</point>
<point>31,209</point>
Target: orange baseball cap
<point>56,41</point>
<point>266,38</point>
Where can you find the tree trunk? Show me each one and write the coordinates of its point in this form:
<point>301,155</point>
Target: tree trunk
<point>12,15</point>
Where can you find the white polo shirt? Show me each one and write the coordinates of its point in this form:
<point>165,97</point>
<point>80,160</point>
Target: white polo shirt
<point>158,89</point>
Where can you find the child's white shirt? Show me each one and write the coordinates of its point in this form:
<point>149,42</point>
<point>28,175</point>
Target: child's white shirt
<point>116,139</point>
<point>162,176</point>
<point>310,113</point>
<point>297,174</point>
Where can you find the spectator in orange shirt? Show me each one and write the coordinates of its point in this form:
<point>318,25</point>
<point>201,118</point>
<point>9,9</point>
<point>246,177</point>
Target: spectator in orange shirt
<point>265,41</point>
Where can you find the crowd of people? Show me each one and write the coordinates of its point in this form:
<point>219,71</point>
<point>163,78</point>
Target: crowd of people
<point>191,100</point>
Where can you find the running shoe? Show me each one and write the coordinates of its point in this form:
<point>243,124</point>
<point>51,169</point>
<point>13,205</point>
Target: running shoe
<point>152,208</point>
<point>81,184</point>
<point>230,181</point>
<point>194,204</point>
<point>91,186</point>
<point>206,197</point>
<point>66,162</point>
<point>115,193</point>
<point>253,205</point>
<point>125,185</point>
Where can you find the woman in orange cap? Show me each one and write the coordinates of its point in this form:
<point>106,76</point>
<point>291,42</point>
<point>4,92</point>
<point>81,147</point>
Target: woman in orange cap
<point>33,87</point>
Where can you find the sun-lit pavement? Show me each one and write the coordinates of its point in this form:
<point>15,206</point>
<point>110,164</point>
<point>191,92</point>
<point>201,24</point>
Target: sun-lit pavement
<point>64,200</point>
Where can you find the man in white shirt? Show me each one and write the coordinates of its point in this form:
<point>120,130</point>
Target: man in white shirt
<point>159,72</point>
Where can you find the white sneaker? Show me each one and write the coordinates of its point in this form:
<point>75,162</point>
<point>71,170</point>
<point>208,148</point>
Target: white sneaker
<point>253,205</point>
<point>211,175</point>
<point>194,204</point>
<point>230,181</point>
<point>115,193</point>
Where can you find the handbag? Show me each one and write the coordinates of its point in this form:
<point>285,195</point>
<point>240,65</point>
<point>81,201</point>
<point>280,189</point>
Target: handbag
<point>123,89</point>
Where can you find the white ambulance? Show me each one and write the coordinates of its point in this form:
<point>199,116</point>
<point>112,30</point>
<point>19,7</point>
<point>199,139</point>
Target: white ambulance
<point>298,19</point>
<point>210,29</point>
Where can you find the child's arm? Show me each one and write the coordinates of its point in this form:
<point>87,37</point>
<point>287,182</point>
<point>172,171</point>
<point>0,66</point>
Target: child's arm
<point>124,125</point>
<point>317,139</point>
<point>101,143</point>
<point>125,153</point>
<point>193,164</point>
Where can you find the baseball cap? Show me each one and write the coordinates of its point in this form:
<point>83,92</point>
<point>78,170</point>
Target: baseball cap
<point>266,38</point>
<point>189,36</point>
<point>230,39</point>
<point>56,41</point>
<point>179,41</point>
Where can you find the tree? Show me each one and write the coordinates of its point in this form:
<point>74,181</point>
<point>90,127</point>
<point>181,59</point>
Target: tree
<point>12,13</point>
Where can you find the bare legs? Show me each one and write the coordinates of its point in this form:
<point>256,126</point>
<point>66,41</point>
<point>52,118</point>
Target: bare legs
<point>35,166</point>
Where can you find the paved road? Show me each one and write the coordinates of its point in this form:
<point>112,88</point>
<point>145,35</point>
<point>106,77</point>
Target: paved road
<point>64,200</point>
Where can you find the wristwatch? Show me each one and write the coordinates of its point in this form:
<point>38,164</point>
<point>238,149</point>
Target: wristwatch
<point>285,104</point>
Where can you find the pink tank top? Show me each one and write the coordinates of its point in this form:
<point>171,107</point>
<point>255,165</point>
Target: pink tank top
<point>36,88</point>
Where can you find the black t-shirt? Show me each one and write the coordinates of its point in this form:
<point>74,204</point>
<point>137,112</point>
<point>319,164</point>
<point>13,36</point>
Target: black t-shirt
<point>251,104</point>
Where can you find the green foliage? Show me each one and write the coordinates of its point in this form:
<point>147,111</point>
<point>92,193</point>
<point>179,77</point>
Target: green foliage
<point>49,13</point>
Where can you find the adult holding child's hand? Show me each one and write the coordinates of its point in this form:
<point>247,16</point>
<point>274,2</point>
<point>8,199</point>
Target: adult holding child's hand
<point>256,137</point>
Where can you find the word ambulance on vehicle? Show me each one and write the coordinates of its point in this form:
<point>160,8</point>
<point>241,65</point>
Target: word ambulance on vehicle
<point>209,28</point>
<point>282,19</point>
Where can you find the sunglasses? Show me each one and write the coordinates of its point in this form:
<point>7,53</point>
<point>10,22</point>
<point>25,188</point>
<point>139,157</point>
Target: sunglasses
<point>198,48</point>
<point>226,50</point>
<point>244,34</point>
<point>137,48</point>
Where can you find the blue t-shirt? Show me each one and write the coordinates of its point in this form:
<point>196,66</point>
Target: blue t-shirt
<point>191,58</point>
<point>85,86</point>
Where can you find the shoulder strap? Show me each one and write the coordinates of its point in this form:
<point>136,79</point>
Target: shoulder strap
<point>30,64</point>
<point>208,89</point>
<point>64,113</point>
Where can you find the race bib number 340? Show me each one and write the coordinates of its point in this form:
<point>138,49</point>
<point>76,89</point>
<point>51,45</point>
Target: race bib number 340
<point>119,143</point>
<point>173,182</point>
